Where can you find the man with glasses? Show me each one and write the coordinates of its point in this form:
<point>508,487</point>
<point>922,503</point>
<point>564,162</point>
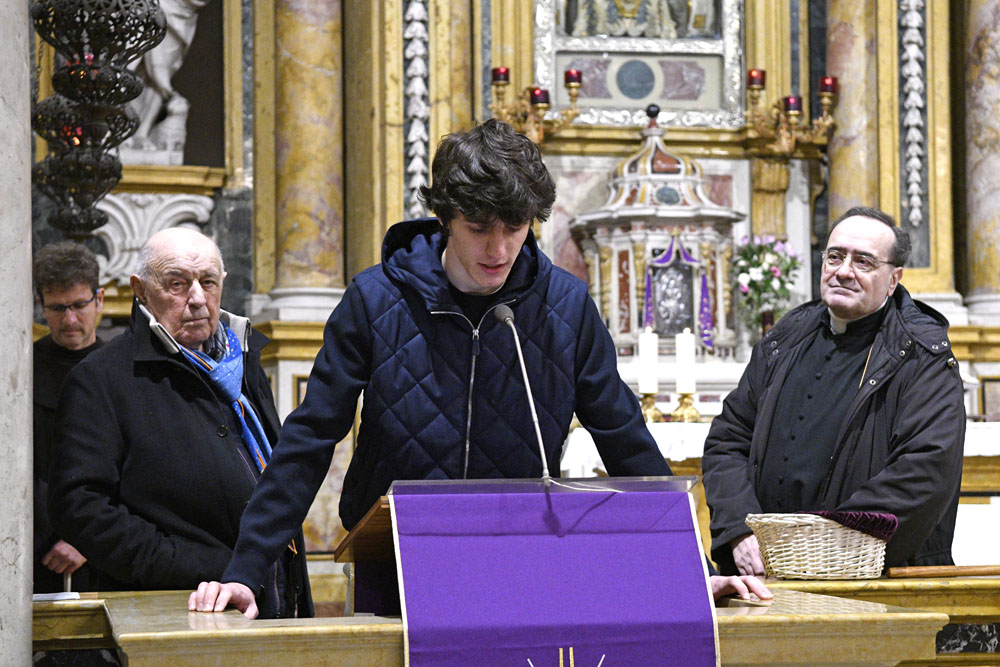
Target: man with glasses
<point>163,433</point>
<point>66,286</point>
<point>851,403</point>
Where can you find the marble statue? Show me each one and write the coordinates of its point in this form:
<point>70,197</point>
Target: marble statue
<point>157,68</point>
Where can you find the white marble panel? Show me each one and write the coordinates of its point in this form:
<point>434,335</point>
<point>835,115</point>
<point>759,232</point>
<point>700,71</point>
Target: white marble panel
<point>15,332</point>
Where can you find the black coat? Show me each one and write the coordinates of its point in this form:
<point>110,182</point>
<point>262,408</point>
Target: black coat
<point>51,365</point>
<point>899,450</point>
<point>151,475</point>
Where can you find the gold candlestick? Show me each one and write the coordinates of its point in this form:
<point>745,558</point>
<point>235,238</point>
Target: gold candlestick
<point>650,412</point>
<point>685,411</point>
<point>528,117</point>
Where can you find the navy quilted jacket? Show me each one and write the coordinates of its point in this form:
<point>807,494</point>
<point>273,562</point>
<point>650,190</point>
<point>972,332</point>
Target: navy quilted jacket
<point>443,396</point>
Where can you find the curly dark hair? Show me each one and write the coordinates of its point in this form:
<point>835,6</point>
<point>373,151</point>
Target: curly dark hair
<point>900,252</point>
<point>489,173</point>
<point>63,265</point>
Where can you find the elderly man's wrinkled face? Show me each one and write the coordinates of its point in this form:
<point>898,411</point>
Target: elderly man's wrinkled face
<point>185,290</point>
<point>857,275</point>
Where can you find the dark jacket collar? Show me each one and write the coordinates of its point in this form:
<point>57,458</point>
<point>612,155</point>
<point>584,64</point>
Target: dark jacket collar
<point>904,318</point>
<point>411,258</point>
<point>148,347</point>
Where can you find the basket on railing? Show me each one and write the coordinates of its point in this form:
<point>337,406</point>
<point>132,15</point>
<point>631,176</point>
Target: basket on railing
<point>807,546</point>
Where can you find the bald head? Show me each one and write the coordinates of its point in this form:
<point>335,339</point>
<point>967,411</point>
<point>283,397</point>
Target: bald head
<point>171,240</point>
<point>179,280</point>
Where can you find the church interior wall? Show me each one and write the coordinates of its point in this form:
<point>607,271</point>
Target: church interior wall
<point>460,42</point>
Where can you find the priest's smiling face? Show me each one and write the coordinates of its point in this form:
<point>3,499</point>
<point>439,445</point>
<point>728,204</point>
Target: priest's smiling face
<point>848,291</point>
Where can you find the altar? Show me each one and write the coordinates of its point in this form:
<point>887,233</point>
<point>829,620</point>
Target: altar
<point>972,636</point>
<point>682,445</point>
<point>153,629</point>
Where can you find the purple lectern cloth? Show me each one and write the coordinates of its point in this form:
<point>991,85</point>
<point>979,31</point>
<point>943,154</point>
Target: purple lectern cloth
<point>503,579</point>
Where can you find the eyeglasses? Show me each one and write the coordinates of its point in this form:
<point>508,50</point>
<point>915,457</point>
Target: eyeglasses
<point>60,309</point>
<point>864,263</point>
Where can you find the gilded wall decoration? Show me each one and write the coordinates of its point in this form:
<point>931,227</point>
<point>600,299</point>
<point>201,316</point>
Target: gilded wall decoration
<point>417,107</point>
<point>913,119</point>
<point>685,57</point>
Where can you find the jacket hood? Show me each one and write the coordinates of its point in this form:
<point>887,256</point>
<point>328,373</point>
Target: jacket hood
<point>411,257</point>
<point>927,326</point>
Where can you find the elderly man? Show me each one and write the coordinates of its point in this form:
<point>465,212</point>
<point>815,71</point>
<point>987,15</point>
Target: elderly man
<point>164,432</point>
<point>66,284</point>
<point>444,398</point>
<point>850,403</point>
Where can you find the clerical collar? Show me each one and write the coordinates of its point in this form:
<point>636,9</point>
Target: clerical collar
<point>445,252</point>
<point>839,325</point>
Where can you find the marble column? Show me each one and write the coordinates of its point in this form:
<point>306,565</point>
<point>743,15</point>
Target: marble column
<point>982,136</point>
<point>15,332</point>
<point>309,220</point>
<point>852,58</point>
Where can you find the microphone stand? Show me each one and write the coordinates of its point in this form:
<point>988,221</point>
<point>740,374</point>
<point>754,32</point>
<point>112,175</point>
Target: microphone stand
<point>506,316</point>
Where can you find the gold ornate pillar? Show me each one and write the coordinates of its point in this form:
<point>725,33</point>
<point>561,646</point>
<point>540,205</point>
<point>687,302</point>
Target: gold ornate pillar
<point>639,273</point>
<point>604,252</point>
<point>452,75</point>
<point>852,57</point>
<point>513,31</point>
<point>913,164</point>
<point>768,34</point>
<point>309,145</point>
<point>299,182</point>
<point>374,126</point>
<point>770,177</point>
<point>983,161</point>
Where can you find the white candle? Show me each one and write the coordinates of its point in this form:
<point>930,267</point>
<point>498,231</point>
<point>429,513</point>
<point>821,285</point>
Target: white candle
<point>649,352</point>
<point>684,344</point>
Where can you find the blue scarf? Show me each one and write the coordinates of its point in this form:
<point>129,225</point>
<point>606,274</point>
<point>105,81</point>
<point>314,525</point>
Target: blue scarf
<point>226,376</point>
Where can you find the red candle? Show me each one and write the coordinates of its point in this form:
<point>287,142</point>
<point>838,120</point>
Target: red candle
<point>828,84</point>
<point>793,103</point>
<point>755,78</point>
<point>573,76</point>
<point>501,74</point>
<point>539,96</point>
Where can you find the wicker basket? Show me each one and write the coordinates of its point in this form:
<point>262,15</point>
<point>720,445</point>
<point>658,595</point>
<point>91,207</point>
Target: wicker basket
<point>806,546</point>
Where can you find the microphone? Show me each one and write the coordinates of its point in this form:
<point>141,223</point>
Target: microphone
<point>505,316</point>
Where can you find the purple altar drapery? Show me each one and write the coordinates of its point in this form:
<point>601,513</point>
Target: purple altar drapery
<point>519,578</point>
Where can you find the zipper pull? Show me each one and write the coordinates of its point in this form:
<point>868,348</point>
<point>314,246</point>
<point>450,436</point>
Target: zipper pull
<point>475,342</point>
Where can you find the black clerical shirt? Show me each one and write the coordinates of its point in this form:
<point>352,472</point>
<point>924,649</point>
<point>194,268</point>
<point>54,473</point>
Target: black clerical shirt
<point>811,409</point>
